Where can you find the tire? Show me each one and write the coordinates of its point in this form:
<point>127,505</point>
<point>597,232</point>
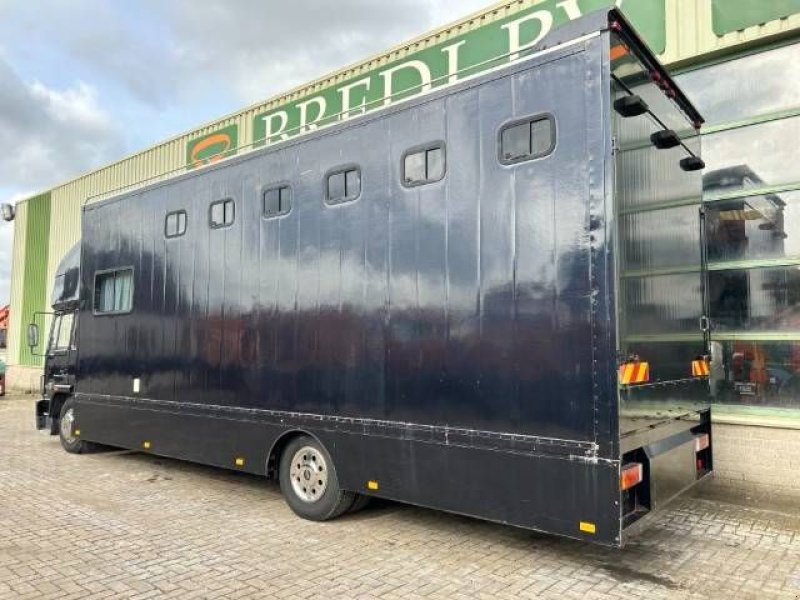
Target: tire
<point>360,503</point>
<point>66,425</point>
<point>308,481</point>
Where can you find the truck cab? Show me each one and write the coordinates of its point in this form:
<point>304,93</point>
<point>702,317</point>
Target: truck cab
<point>61,348</point>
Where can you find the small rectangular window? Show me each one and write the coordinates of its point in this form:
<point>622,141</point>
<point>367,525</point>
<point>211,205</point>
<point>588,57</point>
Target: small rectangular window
<point>175,224</point>
<point>221,213</point>
<point>527,139</point>
<point>277,201</point>
<point>343,186</point>
<point>425,165</point>
<point>113,292</point>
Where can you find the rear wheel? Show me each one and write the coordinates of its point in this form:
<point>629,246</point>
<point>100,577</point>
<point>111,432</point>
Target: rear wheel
<point>361,502</point>
<point>68,432</point>
<point>309,483</point>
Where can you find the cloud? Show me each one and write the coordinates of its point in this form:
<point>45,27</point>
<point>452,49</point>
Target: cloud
<point>50,134</point>
<point>102,78</point>
<point>263,48</point>
<point>163,53</point>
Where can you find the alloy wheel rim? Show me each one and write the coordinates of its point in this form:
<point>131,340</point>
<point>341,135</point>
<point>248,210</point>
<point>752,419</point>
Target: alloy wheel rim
<point>309,474</point>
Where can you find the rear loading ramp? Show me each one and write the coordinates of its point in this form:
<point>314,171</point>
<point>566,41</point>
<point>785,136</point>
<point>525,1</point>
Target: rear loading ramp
<point>660,274</point>
<point>662,338</point>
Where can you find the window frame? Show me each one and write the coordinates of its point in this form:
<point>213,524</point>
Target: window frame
<point>530,119</point>
<point>342,170</point>
<point>186,224</point>
<point>61,350</point>
<point>278,185</point>
<point>222,201</point>
<point>423,148</point>
<point>101,272</point>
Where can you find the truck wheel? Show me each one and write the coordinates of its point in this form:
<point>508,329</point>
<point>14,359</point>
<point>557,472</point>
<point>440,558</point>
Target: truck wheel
<point>66,432</point>
<point>309,483</point>
<point>361,502</point>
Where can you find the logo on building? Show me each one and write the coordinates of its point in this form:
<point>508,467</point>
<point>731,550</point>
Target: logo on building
<point>212,147</point>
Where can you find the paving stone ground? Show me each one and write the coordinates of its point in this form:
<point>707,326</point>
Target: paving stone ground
<point>127,525</point>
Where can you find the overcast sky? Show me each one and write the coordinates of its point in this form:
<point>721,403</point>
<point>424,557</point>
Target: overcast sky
<point>86,82</point>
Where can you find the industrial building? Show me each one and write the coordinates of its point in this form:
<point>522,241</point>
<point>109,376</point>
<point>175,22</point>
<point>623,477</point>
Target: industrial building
<point>737,61</point>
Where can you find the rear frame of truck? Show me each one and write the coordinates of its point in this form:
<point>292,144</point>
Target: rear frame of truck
<point>469,344</point>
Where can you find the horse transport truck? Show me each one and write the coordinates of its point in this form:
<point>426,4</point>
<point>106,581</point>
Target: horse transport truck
<point>441,302</point>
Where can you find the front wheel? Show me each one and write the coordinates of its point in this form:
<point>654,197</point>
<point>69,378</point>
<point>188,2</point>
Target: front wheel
<point>309,483</point>
<point>68,432</point>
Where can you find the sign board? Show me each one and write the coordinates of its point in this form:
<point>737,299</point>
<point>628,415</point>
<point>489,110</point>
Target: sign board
<point>212,147</point>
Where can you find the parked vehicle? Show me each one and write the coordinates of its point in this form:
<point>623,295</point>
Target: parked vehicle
<point>420,304</point>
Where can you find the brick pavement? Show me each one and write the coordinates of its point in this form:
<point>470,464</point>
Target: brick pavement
<point>127,525</point>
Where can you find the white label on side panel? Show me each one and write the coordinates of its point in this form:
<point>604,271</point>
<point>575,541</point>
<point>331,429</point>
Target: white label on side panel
<point>135,385</point>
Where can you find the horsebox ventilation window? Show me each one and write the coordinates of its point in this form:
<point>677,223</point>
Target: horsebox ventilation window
<point>424,165</point>
<point>277,201</point>
<point>221,213</point>
<point>343,186</point>
<point>527,139</point>
<point>175,224</point>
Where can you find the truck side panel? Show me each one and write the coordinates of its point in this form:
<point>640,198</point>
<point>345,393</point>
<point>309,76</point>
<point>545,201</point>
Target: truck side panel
<point>438,338</point>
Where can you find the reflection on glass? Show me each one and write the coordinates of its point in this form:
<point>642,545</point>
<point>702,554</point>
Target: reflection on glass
<point>756,227</point>
<point>754,156</point>
<point>662,238</point>
<point>755,299</point>
<point>752,85</point>
<point>757,373</point>
<point>663,304</point>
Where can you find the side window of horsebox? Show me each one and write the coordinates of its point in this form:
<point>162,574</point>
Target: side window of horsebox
<point>175,224</point>
<point>221,213</point>
<point>277,201</point>
<point>422,165</point>
<point>527,139</point>
<point>343,185</point>
<point>113,292</point>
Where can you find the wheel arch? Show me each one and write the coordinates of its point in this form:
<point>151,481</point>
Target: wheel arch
<point>57,401</point>
<point>275,451</point>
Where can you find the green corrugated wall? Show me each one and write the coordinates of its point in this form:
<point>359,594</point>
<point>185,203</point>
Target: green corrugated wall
<point>34,291</point>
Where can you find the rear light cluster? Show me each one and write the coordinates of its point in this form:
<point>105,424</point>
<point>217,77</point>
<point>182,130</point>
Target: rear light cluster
<point>631,475</point>
<point>702,444</point>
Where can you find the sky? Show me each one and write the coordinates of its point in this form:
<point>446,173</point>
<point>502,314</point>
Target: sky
<point>85,82</point>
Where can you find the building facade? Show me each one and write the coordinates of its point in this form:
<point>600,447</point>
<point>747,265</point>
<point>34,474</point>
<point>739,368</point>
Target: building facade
<point>740,64</point>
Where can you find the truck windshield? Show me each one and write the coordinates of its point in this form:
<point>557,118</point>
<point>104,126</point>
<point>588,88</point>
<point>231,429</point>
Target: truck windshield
<point>61,333</point>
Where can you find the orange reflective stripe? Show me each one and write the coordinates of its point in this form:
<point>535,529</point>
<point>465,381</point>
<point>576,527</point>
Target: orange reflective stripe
<point>700,368</point>
<point>636,372</point>
<point>630,370</point>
